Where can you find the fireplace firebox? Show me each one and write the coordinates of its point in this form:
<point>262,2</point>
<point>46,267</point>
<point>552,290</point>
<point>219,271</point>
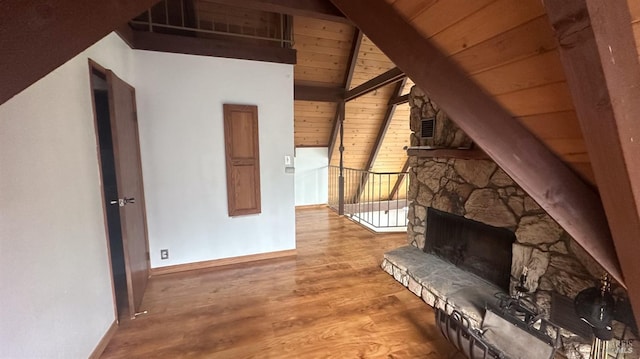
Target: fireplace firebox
<point>473,246</point>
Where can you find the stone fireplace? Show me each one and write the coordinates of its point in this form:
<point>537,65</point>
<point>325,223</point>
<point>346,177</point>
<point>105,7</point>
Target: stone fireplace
<point>479,190</point>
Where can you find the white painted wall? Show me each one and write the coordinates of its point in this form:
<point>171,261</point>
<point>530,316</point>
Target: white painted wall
<point>180,100</point>
<point>55,290</point>
<point>312,176</point>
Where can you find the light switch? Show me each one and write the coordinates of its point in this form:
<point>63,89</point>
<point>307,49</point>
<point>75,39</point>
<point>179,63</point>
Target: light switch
<point>287,160</point>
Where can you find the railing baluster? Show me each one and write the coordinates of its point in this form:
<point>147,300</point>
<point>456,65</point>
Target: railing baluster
<point>362,209</point>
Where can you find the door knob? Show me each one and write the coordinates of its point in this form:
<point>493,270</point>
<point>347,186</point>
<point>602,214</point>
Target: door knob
<point>123,201</point>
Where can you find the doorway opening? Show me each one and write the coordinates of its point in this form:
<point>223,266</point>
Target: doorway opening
<point>100,92</point>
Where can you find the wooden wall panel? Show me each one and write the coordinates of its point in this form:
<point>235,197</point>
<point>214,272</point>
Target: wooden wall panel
<point>312,123</point>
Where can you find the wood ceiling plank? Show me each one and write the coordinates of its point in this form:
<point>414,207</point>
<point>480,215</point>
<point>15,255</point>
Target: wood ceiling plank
<point>487,22</point>
<point>321,45</point>
<point>563,194</point>
<point>412,8</point>
<point>443,14</point>
<point>533,71</point>
<point>314,74</point>
<point>553,97</point>
<point>532,38</point>
<point>32,28</point>
<point>553,125</point>
<point>603,73</point>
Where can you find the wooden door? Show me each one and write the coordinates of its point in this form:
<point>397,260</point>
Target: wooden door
<point>126,149</point>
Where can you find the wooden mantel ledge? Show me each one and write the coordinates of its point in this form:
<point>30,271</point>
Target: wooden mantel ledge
<point>462,153</point>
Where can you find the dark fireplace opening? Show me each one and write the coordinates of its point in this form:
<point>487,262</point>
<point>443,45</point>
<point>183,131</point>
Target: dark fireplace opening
<point>473,246</point>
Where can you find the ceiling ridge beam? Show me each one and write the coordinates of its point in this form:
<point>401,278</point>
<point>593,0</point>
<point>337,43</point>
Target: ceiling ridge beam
<point>388,77</point>
<point>549,181</point>
<point>597,50</point>
<point>348,76</point>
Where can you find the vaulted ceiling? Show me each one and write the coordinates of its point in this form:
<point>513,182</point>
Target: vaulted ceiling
<point>549,90</point>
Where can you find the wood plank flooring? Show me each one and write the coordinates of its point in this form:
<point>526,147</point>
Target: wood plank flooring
<point>331,301</point>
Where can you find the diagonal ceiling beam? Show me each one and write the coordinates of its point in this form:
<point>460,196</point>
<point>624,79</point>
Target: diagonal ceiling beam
<point>38,36</point>
<point>348,76</point>
<point>555,187</point>
<point>389,77</point>
<point>386,121</point>
<point>399,100</point>
<point>382,132</point>
<point>319,9</point>
<point>396,186</point>
<point>598,52</point>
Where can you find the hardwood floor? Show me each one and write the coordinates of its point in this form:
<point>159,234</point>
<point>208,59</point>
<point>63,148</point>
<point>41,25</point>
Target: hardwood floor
<point>331,301</point>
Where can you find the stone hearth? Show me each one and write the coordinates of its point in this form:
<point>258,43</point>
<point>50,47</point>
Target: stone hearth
<point>482,191</point>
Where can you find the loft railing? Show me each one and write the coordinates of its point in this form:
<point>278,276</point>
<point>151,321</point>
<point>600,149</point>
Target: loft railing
<point>377,200</point>
<point>210,19</point>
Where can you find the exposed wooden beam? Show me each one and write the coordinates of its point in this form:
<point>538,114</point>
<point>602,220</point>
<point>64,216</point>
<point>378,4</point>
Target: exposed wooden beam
<point>353,58</point>
<point>399,100</point>
<point>598,52</point>
<point>320,9</point>
<point>377,145</point>
<point>401,178</point>
<point>384,127</point>
<point>470,154</point>
<point>317,93</point>
<point>152,41</point>
<point>36,36</point>
<point>348,76</point>
<point>389,77</point>
<point>548,180</point>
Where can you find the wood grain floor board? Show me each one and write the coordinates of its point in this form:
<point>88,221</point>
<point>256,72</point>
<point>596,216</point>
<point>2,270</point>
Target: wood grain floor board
<point>330,301</point>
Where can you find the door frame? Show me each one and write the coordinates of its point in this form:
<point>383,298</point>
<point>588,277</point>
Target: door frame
<point>95,67</point>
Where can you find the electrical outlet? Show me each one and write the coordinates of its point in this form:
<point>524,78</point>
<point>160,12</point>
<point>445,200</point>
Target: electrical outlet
<point>164,254</point>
